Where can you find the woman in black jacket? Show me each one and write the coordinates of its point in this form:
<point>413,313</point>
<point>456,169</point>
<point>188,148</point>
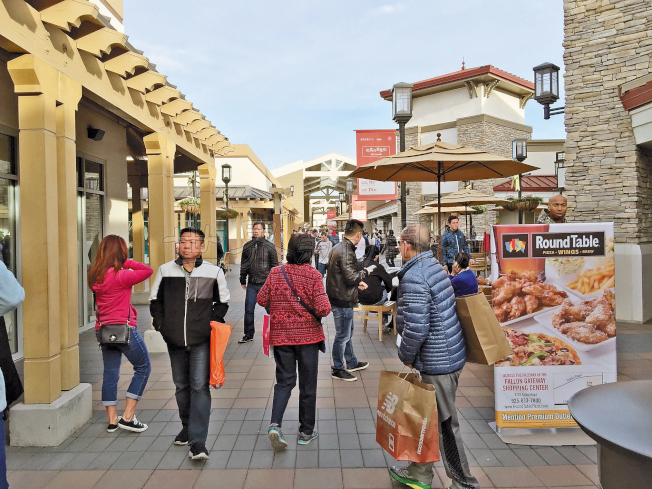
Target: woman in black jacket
<point>391,248</point>
<point>379,283</point>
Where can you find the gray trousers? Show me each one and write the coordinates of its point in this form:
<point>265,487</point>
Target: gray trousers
<point>450,438</point>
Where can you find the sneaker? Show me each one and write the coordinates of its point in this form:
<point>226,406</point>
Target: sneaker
<point>132,425</point>
<point>112,427</point>
<point>198,451</point>
<point>276,438</point>
<point>305,439</point>
<point>343,375</point>
<point>182,437</point>
<point>359,366</point>
<point>246,339</point>
<point>402,476</point>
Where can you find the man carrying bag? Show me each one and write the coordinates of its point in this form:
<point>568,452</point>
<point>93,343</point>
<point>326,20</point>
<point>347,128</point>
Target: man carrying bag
<point>432,343</point>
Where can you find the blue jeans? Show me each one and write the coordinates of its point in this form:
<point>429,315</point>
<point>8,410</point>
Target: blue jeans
<point>190,374</point>
<point>250,306</point>
<point>343,343</point>
<point>138,356</point>
<point>322,268</point>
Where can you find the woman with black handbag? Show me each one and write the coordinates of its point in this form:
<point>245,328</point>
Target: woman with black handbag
<point>111,278</point>
<point>294,297</point>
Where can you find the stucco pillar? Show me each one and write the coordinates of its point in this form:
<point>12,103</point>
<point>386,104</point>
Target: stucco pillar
<point>69,95</point>
<point>36,84</point>
<point>207,174</point>
<point>137,182</point>
<point>160,168</point>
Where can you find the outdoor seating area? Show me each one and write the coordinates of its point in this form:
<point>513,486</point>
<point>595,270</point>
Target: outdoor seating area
<point>388,307</point>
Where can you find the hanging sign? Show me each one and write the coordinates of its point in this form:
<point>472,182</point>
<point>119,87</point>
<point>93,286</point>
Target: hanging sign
<point>372,145</point>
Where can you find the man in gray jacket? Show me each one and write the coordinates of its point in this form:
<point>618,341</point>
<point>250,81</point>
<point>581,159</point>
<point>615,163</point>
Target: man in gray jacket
<point>432,343</point>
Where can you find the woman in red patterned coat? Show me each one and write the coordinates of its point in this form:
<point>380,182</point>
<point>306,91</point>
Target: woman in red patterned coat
<point>295,298</point>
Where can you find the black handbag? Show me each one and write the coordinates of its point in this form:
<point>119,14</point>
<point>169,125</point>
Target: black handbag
<point>113,334</point>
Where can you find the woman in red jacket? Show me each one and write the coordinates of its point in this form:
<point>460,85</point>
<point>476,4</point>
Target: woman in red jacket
<point>295,298</point>
<point>111,278</point>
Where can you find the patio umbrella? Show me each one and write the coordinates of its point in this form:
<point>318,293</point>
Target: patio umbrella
<point>439,162</point>
<point>451,210</point>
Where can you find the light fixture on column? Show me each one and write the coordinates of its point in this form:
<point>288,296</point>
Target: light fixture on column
<point>226,178</point>
<point>560,170</point>
<point>349,192</point>
<point>402,113</point>
<point>546,88</point>
<point>291,190</point>
<point>519,153</point>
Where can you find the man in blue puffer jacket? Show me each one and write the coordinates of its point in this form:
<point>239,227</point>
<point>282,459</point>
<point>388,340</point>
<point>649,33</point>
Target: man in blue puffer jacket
<point>432,343</point>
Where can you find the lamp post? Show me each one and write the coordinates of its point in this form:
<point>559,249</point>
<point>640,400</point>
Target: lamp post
<point>546,88</point>
<point>519,153</point>
<point>560,171</point>
<point>342,200</point>
<point>226,178</point>
<point>402,113</point>
<point>349,193</point>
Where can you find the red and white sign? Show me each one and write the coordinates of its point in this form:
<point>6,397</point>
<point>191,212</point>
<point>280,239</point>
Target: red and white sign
<point>331,214</point>
<point>358,208</point>
<point>373,145</point>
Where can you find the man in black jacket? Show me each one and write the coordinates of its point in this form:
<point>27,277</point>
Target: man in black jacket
<point>258,258</point>
<point>343,279</point>
<point>188,293</point>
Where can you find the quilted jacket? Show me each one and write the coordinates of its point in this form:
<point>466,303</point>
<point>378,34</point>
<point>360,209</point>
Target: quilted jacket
<point>431,335</point>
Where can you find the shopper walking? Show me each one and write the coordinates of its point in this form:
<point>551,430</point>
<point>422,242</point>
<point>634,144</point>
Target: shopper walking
<point>452,242</point>
<point>391,248</point>
<point>188,293</point>
<point>432,343</point>
<point>317,237</point>
<point>342,283</point>
<point>324,248</point>
<point>295,298</point>
<point>258,258</point>
<point>111,277</point>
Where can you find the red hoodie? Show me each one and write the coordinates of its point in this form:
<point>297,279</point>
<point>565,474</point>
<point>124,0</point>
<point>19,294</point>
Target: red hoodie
<point>114,294</point>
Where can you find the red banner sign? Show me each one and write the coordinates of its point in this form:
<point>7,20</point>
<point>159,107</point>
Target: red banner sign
<point>373,145</point>
<point>358,208</point>
<point>331,214</point>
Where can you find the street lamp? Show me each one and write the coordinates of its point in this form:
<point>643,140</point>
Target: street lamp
<point>519,153</point>
<point>402,113</point>
<point>560,170</point>
<point>349,192</point>
<point>291,190</point>
<point>226,178</point>
<point>546,88</point>
<point>342,200</point>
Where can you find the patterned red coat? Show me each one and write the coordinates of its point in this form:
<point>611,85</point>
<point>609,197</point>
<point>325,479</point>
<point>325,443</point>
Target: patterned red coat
<point>290,322</point>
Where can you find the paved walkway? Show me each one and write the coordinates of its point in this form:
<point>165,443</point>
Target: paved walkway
<point>346,454</point>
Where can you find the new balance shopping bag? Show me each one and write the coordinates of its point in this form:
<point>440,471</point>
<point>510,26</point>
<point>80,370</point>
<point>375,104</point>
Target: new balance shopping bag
<point>486,342</point>
<point>220,333</point>
<point>266,320</point>
<point>406,424</point>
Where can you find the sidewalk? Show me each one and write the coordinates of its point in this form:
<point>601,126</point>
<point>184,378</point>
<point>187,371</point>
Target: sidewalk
<point>345,455</point>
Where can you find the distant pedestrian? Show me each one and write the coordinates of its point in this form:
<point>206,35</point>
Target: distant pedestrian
<point>452,242</point>
<point>111,278</point>
<point>295,298</point>
<point>391,250</point>
<point>258,258</point>
<point>187,294</point>
<point>324,248</point>
<point>334,237</point>
<point>342,283</point>
<point>317,238</point>
<point>432,343</point>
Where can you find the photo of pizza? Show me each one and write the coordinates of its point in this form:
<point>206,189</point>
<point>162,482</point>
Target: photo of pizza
<point>536,350</point>
<point>589,322</point>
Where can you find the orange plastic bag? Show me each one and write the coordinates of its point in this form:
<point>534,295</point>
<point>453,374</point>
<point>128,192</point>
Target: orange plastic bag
<point>220,334</point>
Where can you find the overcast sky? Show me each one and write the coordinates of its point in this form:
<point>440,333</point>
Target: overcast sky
<point>295,78</point>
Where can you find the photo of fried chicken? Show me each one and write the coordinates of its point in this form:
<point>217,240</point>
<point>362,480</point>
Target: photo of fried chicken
<point>588,322</point>
<point>521,293</point>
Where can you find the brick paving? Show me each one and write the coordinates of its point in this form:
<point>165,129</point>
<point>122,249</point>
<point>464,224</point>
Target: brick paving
<point>344,456</point>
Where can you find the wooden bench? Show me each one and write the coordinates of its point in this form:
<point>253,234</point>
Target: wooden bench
<point>388,307</point>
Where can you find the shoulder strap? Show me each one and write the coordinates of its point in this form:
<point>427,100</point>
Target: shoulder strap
<point>294,292</point>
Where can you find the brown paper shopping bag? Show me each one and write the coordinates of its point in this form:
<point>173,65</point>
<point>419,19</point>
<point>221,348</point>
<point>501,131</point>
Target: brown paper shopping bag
<point>406,424</point>
<point>485,341</point>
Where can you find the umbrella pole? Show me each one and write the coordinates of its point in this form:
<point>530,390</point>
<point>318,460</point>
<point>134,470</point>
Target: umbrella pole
<point>466,219</point>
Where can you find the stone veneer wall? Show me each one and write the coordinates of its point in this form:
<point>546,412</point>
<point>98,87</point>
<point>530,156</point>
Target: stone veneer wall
<point>493,138</point>
<point>608,178</point>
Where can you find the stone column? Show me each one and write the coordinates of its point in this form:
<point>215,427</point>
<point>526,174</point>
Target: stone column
<point>160,167</point>
<point>207,175</point>
<point>69,96</point>
<point>36,84</point>
<point>137,182</point>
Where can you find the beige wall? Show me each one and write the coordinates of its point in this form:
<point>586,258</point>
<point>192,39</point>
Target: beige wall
<point>296,179</point>
<point>8,99</point>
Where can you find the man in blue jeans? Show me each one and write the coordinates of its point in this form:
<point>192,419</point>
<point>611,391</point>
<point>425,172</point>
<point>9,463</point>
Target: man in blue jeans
<point>188,293</point>
<point>258,258</point>
<point>343,280</point>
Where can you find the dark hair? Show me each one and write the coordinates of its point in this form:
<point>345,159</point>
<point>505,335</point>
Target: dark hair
<point>462,259</point>
<point>196,231</point>
<point>370,252</point>
<point>390,232</point>
<point>450,218</point>
<point>353,227</point>
<point>111,253</point>
<point>324,233</point>
<point>259,223</point>
<point>300,249</point>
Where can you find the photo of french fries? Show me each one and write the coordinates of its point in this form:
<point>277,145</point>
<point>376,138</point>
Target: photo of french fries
<point>594,280</point>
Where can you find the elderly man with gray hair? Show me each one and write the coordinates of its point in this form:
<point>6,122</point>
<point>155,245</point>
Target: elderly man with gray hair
<point>432,343</point>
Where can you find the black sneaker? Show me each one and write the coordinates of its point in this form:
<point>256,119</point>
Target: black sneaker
<point>112,427</point>
<point>359,366</point>
<point>246,339</point>
<point>182,437</point>
<point>198,451</point>
<point>132,425</point>
<point>343,375</point>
